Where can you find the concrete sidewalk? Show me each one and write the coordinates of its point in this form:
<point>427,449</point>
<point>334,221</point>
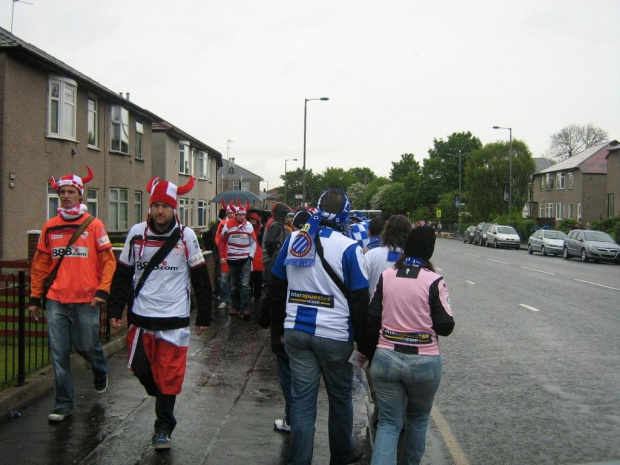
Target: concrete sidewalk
<point>225,413</point>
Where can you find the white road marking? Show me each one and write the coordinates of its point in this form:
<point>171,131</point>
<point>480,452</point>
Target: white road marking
<point>497,261</point>
<point>471,254</point>
<point>530,308</point>
<point>599,285</point>
<point>452,250</point>
<point>449,440</point>
<point>537,271</point>
<point>439,269</point>
<point>470,282</point>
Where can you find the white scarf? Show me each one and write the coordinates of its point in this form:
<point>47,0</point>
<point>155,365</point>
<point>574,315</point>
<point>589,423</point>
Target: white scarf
<point>69,214</point>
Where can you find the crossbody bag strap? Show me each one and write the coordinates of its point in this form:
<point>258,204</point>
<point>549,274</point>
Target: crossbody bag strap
<point>158,258</point>
<point>52,276</point>
<point>330,271</point>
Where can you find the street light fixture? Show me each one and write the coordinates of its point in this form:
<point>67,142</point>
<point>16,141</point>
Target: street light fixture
<point>288,159</point>
<point>509,174</point>
<point>303,198</point>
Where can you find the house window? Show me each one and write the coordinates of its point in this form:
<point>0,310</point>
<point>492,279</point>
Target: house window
<point>53,202</point>
<point>61,107</point>
<point>541,212</point>
<point>570,180</point>
<point>93,122</point>
<point>120,129</point>
<point>184,154</point>
<point>92,201</point>
<point>118,209</point>
<point>550,178</point>
<point>203,165</point>
<point>236,185</point>
<point>579,211</point>
<point>184,211</point>
<point>561,181</point>
<point>139,139</point>
<point>549,210</point>
<point>542,182</point>
<point>245,185</point>
<point>203,209</point>
<point>137,207</point>
<point>610,205</point>
<point>570,210</point>
<point>559,211</point>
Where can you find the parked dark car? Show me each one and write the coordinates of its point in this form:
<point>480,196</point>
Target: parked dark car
<point>468,235</point>
<point>591,245</point>
<point>480,234</point>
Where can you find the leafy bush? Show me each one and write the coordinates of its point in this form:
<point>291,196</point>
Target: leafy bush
<point>609,225</point>
<point>566,225</point>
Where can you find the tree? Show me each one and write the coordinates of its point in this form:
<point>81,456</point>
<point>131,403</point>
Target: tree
<point>337,178</point>
<point>574,139</point>
<point>402,168</point>
<point>488,171</point>
<point>363,175</point>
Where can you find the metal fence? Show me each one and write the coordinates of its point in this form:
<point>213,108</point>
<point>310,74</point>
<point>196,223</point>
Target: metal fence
<point>24,346</point>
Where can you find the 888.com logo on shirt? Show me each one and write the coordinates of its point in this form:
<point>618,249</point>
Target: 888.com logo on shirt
<point>73,251</point>
<point>162,266</point>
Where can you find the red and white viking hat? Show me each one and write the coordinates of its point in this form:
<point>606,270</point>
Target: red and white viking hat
<point>167,192</point>
<point>230,208</point>
<point>241,208</point>
<point>73,181</point>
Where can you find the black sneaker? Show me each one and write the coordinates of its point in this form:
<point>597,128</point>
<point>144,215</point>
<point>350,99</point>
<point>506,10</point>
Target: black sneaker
<point>101,384</point>
<point>162,441</point>
<point>58,414</point>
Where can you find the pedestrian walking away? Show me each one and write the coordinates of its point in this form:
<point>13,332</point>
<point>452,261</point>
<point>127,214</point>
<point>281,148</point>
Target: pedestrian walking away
<point>319,291</point>
<point>409,310</point>
<point>160,260</point>
<point>70,278</point>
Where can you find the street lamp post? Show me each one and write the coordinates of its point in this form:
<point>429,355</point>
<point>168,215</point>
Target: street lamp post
<point>288,159</point>
<point>303,195</point>
<point>460,192</point>
<point>509,174</point>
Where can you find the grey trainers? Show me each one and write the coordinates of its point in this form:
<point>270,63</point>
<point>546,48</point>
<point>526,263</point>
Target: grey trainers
<point>58,414</point>
<point>162,441</point>
<point>222,305</point>
<point>282,425</point>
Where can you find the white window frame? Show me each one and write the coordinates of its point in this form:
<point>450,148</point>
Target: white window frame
<point>139,140</point>
<point>549,210</point>
<point>203,165</point>
<point>183,210</point>
<point>542,182</point>
<point>561,181</point>
<point>93,122</point>
<point>579,211</point>
<point>570,180</point>
<point>92,201</point>
<point>61,107</point>
<point>119,120</point>
<point>559,210</point>
<point>570,210</point>
<point>541,210</point>
<point>203,211</point>
<point>184,159</point>
<point>119,197</point>
<point>236,185</point>
<point>137,206</point>
<point>53,202</point>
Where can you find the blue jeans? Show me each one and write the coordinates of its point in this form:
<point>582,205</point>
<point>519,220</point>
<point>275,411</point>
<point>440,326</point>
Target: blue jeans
<point>240,291</point>
<point>284,377</point>
<point>310,356</point>
<point>225,288</point>
<point>74,325</point>
<point>403,380</point>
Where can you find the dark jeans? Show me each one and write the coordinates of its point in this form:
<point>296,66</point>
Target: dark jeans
<point>240,293</point>
<point>164,403</point>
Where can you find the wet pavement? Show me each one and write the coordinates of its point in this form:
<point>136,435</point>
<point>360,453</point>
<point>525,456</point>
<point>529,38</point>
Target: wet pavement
<point>225,413</point>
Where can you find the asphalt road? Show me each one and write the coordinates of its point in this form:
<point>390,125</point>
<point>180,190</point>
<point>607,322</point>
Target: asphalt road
<point>532,370</point>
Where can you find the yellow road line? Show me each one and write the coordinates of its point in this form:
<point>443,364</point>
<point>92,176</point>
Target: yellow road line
<point>448,438</point>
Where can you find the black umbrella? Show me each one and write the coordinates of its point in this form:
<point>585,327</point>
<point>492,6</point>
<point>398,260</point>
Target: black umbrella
<point>238,196</point>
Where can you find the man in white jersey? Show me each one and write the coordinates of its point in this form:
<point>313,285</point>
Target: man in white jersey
<point>160,260</point>
<point>320,297</point>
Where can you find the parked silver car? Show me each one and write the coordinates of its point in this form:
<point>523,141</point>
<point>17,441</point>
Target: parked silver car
<point>546,241</point>
<point>591,245</point>
<point>503,236</point>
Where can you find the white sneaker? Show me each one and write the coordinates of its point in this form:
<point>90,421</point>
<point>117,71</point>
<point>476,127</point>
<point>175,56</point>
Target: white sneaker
<point>222,305</point>
<point>282,425</point>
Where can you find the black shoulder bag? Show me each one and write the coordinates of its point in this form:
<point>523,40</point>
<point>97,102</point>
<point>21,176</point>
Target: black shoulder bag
<point>49,280</point>
<point>330,271</point>
<point>158,258</point>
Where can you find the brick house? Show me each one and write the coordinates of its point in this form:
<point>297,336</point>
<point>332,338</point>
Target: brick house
<point>577,187</point>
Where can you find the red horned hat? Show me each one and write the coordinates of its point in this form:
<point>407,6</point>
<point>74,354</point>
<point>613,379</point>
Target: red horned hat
<point>167,192</point>
<point>73,181</point>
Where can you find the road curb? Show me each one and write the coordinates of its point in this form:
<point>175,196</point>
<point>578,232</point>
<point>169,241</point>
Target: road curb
<point>40,383</point>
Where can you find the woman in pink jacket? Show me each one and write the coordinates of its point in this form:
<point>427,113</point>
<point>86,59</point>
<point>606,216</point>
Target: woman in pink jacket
<point>409,310</point>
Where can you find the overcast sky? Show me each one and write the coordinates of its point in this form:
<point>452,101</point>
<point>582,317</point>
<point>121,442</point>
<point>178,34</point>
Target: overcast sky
<point>398,73</point>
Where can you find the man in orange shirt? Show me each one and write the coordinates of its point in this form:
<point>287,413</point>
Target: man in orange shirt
<point>82,284</point>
